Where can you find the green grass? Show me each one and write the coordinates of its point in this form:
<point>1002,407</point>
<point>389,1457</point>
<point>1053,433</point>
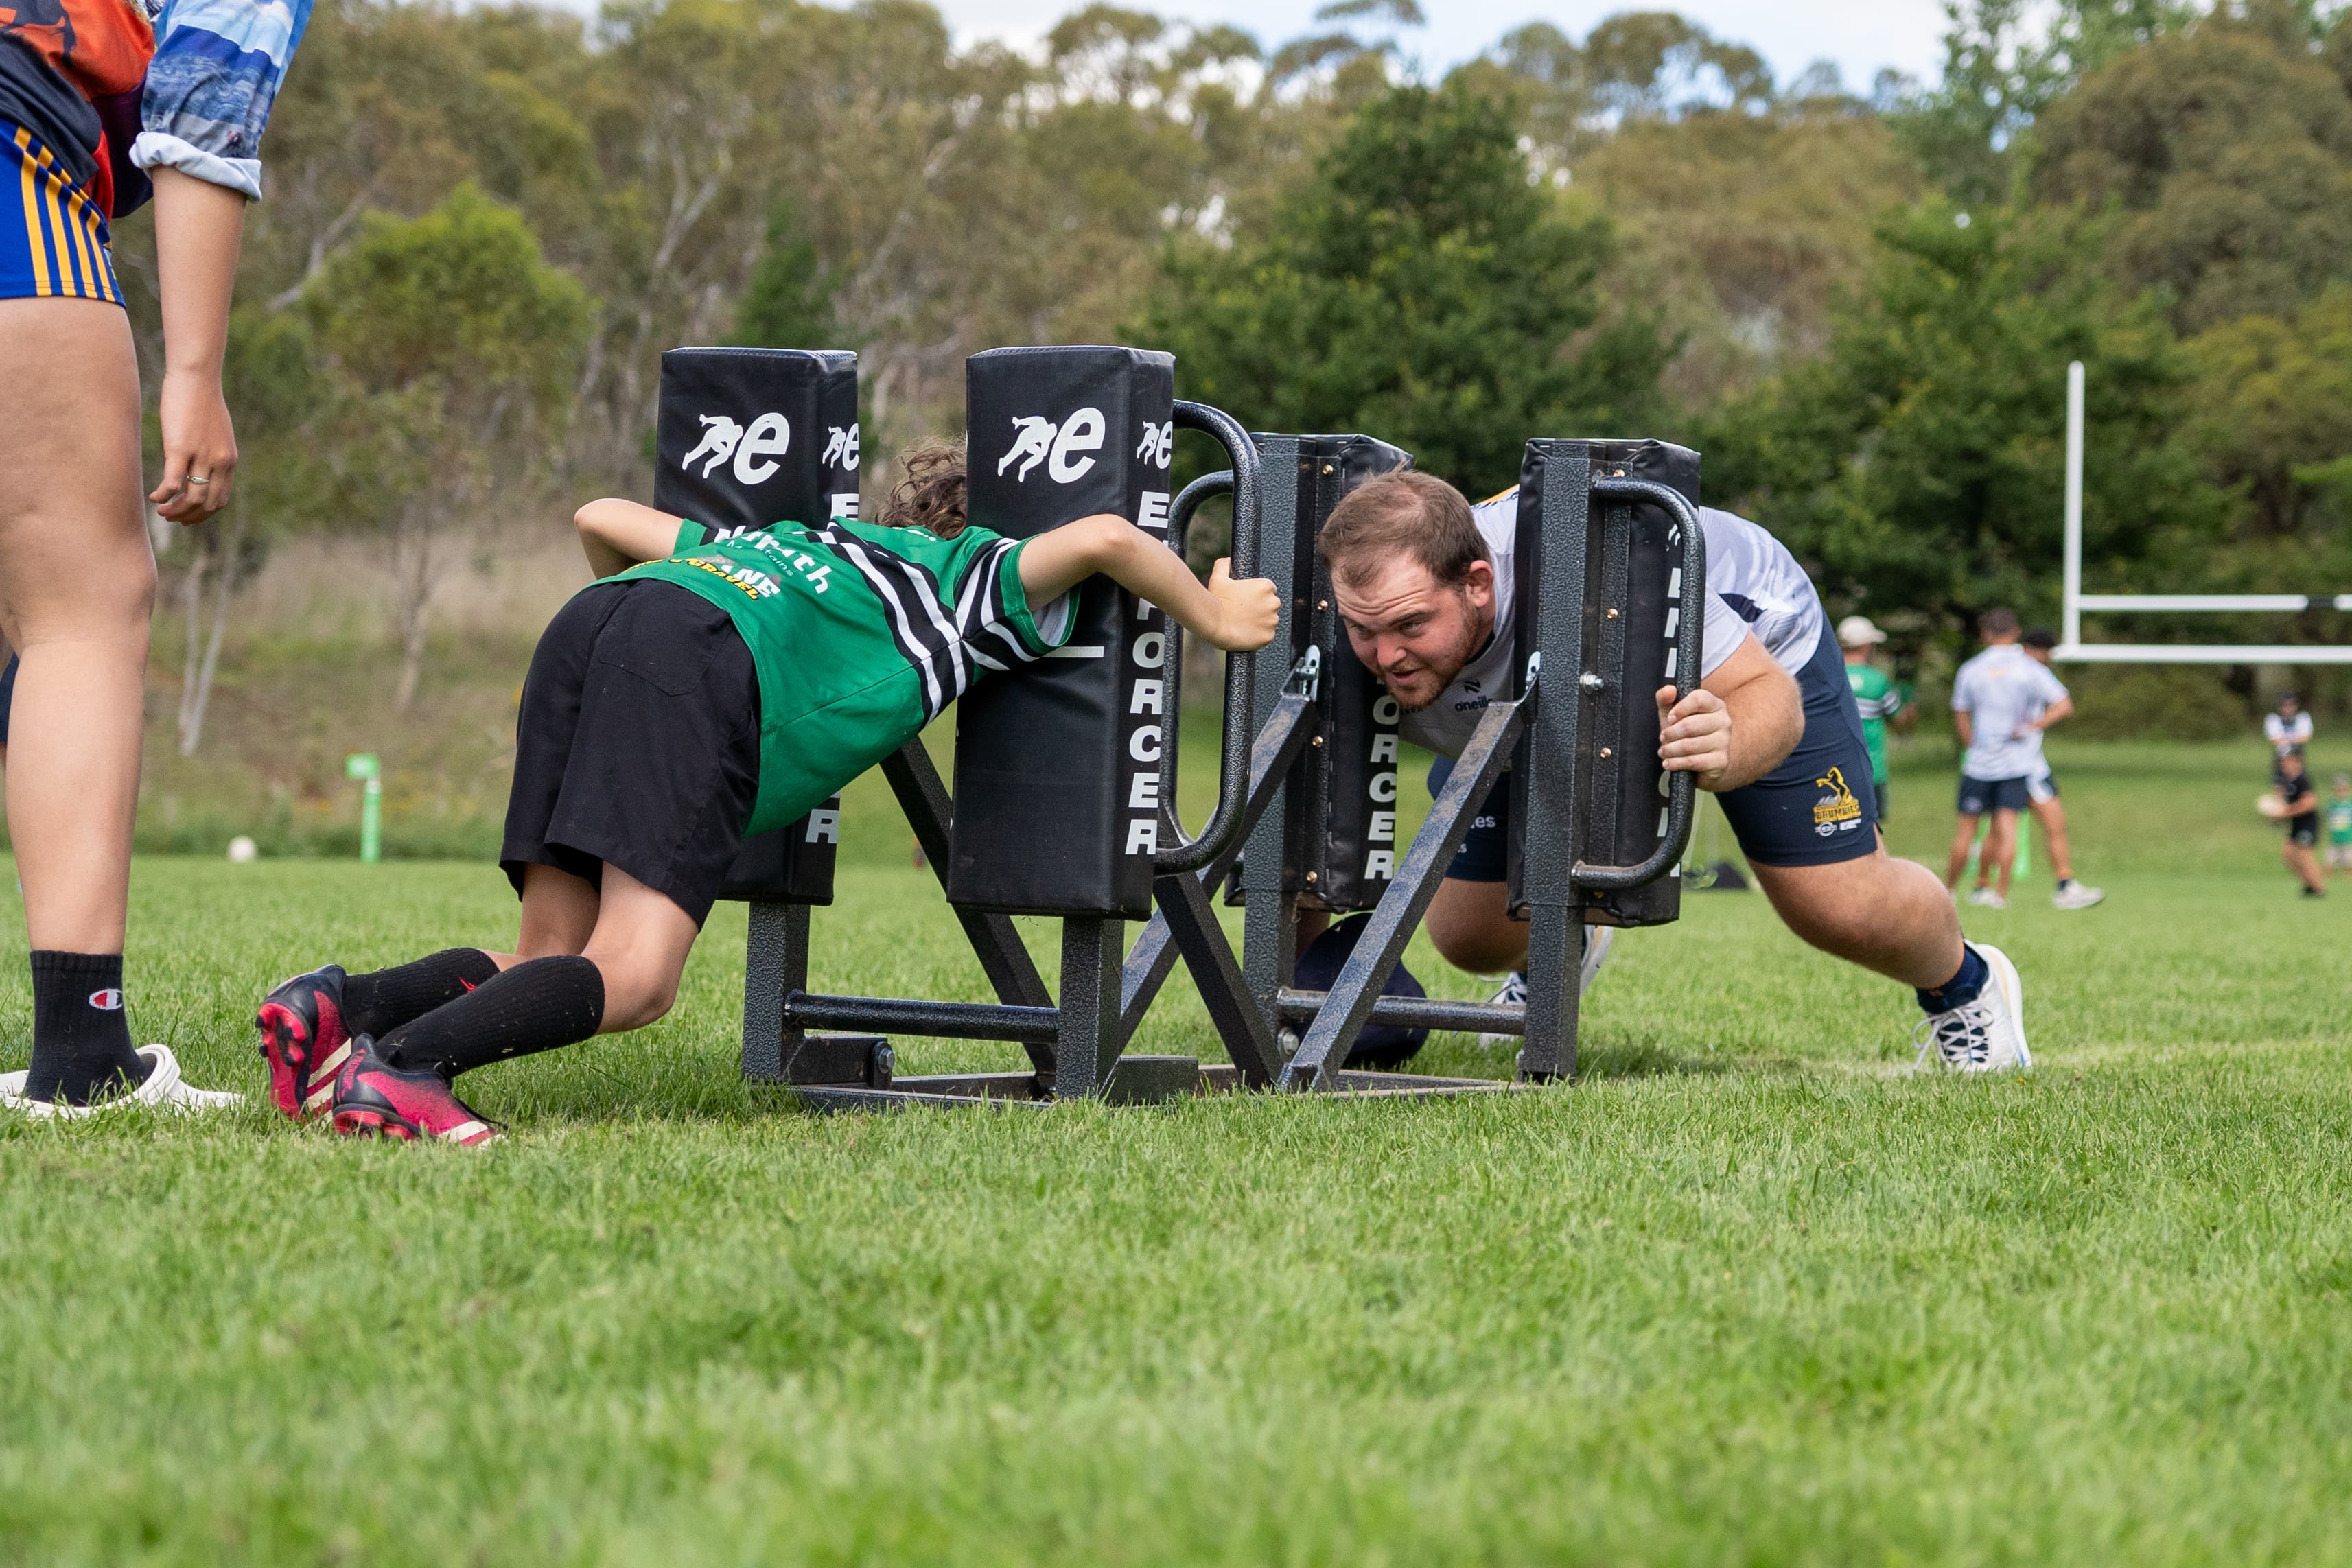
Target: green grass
<point>1748,1294</point>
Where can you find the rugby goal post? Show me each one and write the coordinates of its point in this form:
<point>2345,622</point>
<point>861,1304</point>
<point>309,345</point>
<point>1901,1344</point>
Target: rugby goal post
<point>2071,645</point>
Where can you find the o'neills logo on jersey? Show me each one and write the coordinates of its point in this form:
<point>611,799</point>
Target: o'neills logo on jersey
<point>841,447</point>
<point>751,446</point>
<point>108,1000</point>
<point>1037,439</point>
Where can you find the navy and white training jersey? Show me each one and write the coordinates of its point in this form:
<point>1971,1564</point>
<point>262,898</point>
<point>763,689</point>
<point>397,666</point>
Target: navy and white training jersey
<point>1753,584</point>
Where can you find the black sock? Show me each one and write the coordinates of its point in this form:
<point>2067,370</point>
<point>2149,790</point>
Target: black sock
<point>380,1002</point>
<point>535,1006</point>
<point>82,1035</point>
<point>1962,988</point>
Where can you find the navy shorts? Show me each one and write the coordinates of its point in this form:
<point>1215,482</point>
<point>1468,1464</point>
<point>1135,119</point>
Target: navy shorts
<point>1979,796</point>
<point>1817,808</point>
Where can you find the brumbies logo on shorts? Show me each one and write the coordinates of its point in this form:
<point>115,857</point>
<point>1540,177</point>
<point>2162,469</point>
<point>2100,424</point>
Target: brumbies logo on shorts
<point>767,436</point>
<point>1037,439</point>
<point>1837,812</point>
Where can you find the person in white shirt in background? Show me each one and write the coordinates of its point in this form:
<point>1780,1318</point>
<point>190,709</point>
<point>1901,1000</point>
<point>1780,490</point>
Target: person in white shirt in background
<point>2002,701</point>
<point>2287,730</point>
<point>2042,797</point>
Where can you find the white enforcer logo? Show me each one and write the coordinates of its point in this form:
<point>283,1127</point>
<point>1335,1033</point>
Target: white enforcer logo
<point>841,447</point>
<point>1037,439</point>
<point>768,436</point>
<point>1159,444</point>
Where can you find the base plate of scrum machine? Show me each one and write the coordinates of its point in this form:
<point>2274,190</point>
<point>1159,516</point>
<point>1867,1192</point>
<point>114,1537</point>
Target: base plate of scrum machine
<point>855,1072</point>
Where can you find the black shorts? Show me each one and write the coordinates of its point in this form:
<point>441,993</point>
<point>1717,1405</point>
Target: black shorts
<point>1979,796</point>
<point>2304,829</point>
<point>1817,808</point>
<point>1878,792</point>
<point>638,744</point>
<point>8,696</point>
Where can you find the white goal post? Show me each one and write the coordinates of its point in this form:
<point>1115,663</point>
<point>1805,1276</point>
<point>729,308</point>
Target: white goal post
<point>2071,645</point>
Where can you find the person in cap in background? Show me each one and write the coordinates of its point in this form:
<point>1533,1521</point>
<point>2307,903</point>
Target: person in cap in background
<point>2041,799</point>
<point>1876,696</point>
<point>2287,730</point>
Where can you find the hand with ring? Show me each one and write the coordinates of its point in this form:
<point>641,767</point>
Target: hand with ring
<point>199,448</point>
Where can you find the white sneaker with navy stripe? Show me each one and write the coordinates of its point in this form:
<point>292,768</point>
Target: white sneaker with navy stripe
<point>1987,1035</point>
<point>1597,940</point>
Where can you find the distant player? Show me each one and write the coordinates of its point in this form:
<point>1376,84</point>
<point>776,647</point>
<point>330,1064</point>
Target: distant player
<point>724,687</point>
<point>2339,826</point>
<point>2301,824</point>
<point>2003,702</point>
<point>1874,696</point>
<point>2287,729</point>
<point>2041,799</point>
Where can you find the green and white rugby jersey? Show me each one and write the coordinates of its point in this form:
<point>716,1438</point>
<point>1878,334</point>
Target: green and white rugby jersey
<point>861,635</point>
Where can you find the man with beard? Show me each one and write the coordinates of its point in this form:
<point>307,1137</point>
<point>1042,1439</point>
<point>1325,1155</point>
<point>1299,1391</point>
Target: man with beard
<point>1425,585</point>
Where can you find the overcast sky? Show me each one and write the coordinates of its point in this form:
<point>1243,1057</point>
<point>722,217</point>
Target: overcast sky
<point>1860,35</point>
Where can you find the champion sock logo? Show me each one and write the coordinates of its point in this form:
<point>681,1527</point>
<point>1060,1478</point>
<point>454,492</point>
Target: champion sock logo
<point>108,1000</point>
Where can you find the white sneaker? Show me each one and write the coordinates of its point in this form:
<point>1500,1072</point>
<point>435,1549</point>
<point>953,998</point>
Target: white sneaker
<point>1987,1035</point>
<point>164,1090</point>
<point>2074,896</point>
<point>1988,898</point>
<point>1597,942</point>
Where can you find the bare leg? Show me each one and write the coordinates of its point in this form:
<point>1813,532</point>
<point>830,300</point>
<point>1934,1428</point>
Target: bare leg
<point>1469,926</point>
<point>77,582</point>
<point>637,937</point>
<point>559,915</point>
<point>639,945</point>
<point>1963,837</point>
<point>2298,861</point>
<point>1998,860</point>
<point>1884,914</point>
<point>2051,815</point>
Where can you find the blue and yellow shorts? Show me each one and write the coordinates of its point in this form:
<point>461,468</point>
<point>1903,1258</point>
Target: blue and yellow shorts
<point>53,241</point>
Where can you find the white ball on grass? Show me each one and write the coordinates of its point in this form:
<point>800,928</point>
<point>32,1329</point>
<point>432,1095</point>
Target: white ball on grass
<point>242,849</point>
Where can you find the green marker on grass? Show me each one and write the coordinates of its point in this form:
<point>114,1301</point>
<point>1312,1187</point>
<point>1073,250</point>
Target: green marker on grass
<point>363,764</point>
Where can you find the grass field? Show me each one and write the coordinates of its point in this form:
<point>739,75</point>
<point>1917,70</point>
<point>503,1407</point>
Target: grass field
<point>1750,1292</point>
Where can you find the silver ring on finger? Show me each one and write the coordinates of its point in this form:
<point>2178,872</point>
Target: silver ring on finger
<point>198,480</point>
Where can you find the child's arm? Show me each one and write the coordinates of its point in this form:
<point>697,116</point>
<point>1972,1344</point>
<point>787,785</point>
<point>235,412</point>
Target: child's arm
<point>1237,615</point>
<point>618,535</point>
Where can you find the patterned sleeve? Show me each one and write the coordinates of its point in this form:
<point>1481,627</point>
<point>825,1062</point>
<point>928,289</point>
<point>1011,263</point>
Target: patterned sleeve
<point>993,614</point>
<point>216,74</point>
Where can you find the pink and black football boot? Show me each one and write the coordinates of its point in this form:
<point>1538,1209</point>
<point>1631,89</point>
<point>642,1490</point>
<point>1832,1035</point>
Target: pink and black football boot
<point>304,1041</point>
<point>374,1099</point>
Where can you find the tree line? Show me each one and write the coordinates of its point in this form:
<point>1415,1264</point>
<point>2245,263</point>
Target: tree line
<point>482,227</point>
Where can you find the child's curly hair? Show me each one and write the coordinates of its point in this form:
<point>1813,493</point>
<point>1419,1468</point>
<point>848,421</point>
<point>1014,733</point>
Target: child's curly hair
<point>930,490</point>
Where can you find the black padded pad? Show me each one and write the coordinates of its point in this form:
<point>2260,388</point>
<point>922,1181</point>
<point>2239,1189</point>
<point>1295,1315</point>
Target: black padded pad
<point>1057,764</point>
<point>746,437</point>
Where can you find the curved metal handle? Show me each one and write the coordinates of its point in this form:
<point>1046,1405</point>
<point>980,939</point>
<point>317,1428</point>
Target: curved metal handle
<point>1232,773</point>
<point>1682,788</point>
<point>1180,533</point>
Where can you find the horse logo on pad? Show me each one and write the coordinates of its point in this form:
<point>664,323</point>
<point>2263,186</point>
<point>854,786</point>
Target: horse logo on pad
<point>720,434</point>
<point>1159,446</point>
<point>770,435</point>
<point>1037,439</point>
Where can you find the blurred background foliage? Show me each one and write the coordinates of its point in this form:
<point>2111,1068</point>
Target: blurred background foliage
<point>482,227</point>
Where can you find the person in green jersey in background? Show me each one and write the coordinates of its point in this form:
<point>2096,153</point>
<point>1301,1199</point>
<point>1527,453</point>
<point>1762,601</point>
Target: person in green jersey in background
<point>1875,692</point>
<point>726,685</point>
<point>2339,826</point>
